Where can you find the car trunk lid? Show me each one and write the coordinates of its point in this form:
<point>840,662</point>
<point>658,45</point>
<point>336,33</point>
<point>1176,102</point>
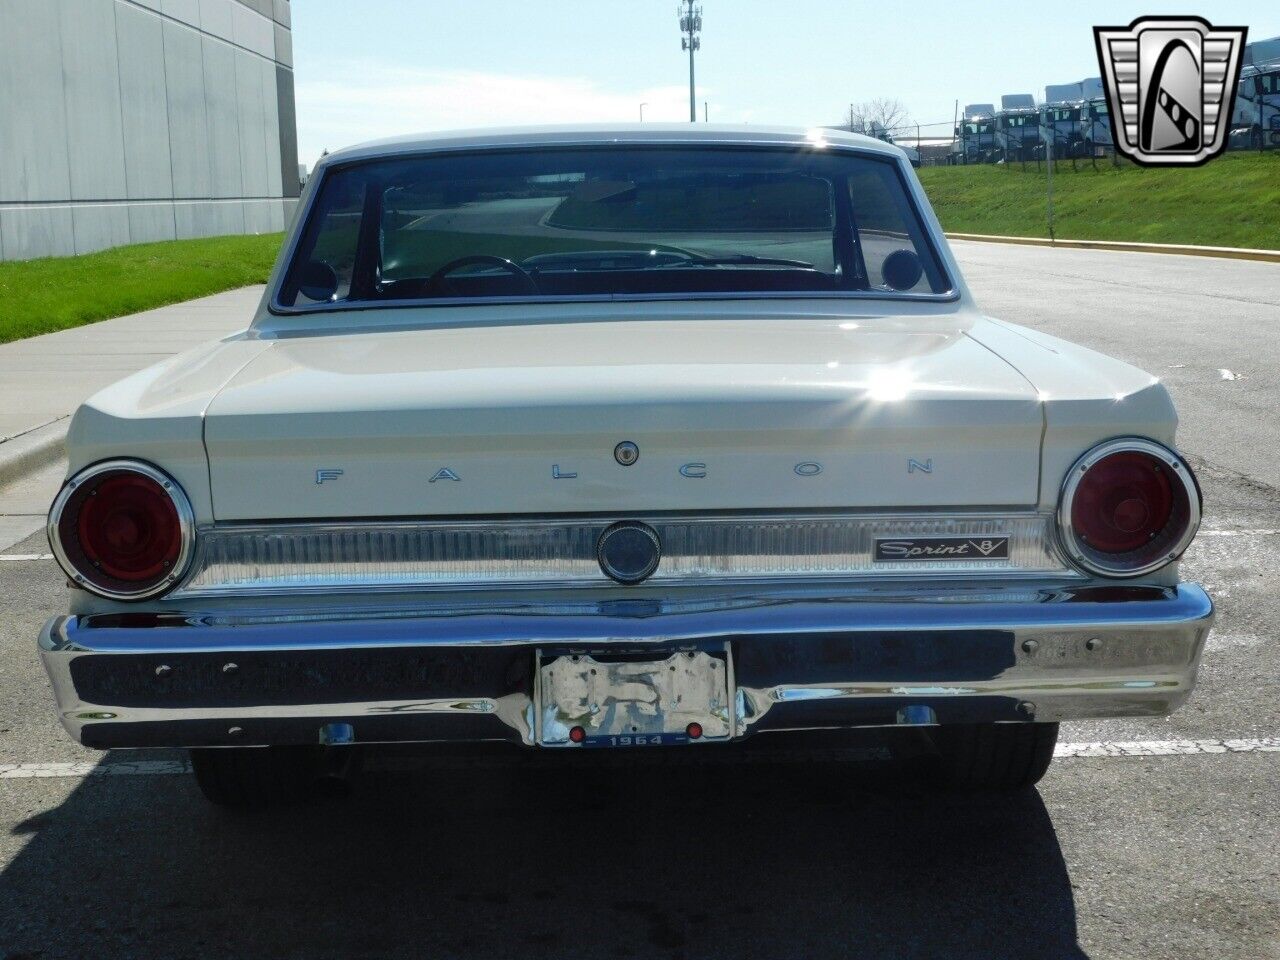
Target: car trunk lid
<point>781,413</point>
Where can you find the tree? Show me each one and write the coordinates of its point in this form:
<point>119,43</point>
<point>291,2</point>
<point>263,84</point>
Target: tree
<point>874,116</point>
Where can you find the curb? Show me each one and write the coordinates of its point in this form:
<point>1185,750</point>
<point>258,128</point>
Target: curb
<point>32,450</point>
<point>1186,250</point>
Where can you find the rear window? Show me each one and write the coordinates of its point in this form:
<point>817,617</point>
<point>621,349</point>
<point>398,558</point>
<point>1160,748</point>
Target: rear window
<point>615,221</point>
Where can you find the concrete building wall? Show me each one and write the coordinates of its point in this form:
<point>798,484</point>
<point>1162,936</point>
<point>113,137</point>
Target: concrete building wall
<point>130,121</point>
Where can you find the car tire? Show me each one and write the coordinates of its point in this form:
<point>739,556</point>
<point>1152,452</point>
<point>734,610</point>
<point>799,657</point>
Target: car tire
<point>1002,757</point>
<point>255,776</point>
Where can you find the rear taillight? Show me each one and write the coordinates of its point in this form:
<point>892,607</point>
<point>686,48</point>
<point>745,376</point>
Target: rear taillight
<point>122,529</point>
<point>1128,507</point>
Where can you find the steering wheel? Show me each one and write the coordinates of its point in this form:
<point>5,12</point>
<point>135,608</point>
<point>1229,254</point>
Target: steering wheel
<point>436,279</point>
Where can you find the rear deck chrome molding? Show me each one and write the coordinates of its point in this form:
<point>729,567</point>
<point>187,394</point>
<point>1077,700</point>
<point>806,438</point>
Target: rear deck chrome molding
<point>308,557</point>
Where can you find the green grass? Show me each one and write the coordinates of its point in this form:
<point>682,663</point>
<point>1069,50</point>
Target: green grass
<point>1233,201</point>
<point>40,296</point>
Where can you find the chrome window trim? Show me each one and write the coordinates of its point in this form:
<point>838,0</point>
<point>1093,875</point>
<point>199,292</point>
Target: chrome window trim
<point>281,311</point>
<point>1181,469</point>
<point>321,174</point>
<point>186,525</point>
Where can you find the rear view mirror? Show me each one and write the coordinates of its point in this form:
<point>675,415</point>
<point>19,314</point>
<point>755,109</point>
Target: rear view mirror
<point>901,270</point>
<point>318,282</point>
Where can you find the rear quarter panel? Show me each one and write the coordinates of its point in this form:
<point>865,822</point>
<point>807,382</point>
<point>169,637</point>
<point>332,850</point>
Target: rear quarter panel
<point>157,415</point>
<point>1087,397</point>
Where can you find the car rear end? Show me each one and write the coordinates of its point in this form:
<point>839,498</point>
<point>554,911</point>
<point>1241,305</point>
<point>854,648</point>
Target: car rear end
<point>774,477</point>
<point>563,631</point>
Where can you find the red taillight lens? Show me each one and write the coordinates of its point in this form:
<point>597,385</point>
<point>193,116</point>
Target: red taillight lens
<point>1129,507</point>
<point>1122,502</point>
<point>128,527</point>
<point>122,529</point>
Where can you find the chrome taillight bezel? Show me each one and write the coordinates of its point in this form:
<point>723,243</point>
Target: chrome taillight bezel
<point>1094,562</point>
<point>186,525</point>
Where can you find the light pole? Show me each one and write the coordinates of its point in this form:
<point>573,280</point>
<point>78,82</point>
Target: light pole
<point>1049,133</point>
<point>642,106</point>
<point>691,25</point>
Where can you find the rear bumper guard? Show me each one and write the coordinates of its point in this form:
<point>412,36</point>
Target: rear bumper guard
<point>148,680</point>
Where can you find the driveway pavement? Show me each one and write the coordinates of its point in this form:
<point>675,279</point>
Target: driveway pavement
<point>1147,839</point>
<point>43,379</point>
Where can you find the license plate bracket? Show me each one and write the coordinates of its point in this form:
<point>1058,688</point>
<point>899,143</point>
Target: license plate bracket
<point>610,700</point>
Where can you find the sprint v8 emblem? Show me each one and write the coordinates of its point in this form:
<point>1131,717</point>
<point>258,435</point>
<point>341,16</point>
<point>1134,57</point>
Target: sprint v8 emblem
<point>899,549</point>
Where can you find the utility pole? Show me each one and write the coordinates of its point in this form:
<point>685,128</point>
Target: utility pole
<point>691,26</point>
<point>1050,134</point>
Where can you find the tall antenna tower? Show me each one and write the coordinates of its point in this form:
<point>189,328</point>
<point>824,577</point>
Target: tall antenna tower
<point>690,27</point>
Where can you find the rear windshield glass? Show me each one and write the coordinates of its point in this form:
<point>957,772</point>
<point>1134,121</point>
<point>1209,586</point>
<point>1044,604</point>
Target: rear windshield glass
<point>613,221</point>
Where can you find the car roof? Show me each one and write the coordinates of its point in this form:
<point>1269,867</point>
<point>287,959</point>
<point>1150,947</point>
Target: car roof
<point>646,133</point>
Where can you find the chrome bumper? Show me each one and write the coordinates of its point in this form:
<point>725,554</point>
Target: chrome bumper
<point>797,662</point>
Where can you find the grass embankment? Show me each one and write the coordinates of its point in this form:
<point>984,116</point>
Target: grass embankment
<point>40,296</point>
<point>1233,201</point>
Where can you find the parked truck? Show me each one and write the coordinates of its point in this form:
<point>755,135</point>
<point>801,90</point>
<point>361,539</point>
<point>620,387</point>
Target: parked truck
<point>1061,123</point>
<point>1255,116</point>
<point>1090,88</point>
<point>1095,127</point>
<point>1017,127</point>
<point>1063,93</point>
<point>975,136</point>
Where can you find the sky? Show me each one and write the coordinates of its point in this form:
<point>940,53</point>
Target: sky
<point>373,68</point>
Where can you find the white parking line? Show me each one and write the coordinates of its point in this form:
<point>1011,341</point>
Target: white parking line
<point>1166,748</point>
<point>1238,533</point>
<point>26,556</point>
<point>92,768</point>
<point>1092,751</point>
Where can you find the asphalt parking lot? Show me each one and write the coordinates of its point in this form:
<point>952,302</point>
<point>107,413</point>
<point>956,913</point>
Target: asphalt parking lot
<point>1147,839</point>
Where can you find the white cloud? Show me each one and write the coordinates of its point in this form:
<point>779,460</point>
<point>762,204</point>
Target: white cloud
<point>364,101</point>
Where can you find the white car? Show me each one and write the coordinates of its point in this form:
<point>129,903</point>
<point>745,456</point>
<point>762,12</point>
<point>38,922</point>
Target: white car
<point>628,437</point>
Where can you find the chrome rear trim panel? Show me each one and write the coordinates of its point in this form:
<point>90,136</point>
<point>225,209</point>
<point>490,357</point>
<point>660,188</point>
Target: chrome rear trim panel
<point>287,558</point>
